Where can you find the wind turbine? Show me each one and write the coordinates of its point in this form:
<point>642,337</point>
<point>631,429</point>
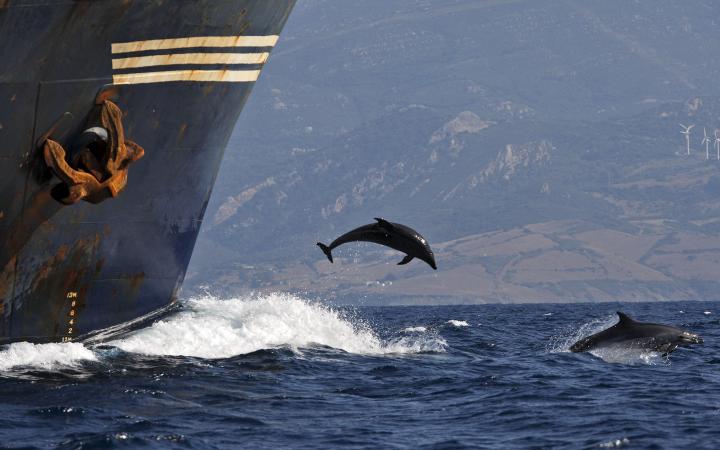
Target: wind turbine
<point>686,132</point>
<point>706,141</point>
<point>717,143</point>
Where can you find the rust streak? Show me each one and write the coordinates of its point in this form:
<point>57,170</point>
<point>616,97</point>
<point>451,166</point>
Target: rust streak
<point>136,280</point>
<point>6,279</point>
<point>108,93</point>
<point>63,276</point>
<point>180,136</point>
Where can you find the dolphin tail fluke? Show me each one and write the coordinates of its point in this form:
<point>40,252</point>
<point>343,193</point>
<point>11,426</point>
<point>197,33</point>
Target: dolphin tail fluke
<point>325,250</point>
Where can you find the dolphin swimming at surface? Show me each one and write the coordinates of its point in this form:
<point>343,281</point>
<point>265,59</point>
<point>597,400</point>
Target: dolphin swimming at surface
<point>389,234</point>
<point>629,333</point>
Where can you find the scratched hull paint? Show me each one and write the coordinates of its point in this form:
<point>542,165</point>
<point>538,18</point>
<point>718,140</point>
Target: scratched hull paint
<point>180,72</point>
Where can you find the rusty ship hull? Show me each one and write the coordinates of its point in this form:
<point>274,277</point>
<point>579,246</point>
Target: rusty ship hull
<point>179,72</point>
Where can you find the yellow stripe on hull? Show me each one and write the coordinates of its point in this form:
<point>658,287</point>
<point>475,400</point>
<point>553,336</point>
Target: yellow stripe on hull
<point>229,76</point>
<point>190,42</point>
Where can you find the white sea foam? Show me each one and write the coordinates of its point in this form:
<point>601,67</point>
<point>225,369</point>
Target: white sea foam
<point>707,313</point>
<point>615,443</point>
<point>44,356</point>
<point>458,323</point>
<point>415,329</point>
<point>625,355</point>
<point>562,343</point>
<point>222,328</point>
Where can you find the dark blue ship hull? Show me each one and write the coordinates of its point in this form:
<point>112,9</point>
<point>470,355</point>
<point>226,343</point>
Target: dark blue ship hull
<point>180,71</point>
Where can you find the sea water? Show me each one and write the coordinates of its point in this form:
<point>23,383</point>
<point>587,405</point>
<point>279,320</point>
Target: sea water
<point>281,371</point>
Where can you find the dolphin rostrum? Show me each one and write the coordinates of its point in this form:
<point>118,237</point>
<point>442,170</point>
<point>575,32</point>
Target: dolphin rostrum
<point>393,235</point>
<point>629,333</point>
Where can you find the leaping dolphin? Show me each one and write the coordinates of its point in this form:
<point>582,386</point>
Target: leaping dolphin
<point>630,333</point>
<point>393,235</point>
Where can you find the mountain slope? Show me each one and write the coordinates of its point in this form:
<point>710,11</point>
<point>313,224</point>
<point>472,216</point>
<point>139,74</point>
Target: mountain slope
<point>473,121</point>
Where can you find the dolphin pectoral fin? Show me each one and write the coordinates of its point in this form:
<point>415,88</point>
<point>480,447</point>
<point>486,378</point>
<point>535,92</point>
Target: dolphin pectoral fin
<point>325,250</point>
<point>384,223</point>
<point>405,260</point>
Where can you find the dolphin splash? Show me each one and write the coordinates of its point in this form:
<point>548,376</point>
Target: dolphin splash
<point>629,333</point>
<point>389,234</point>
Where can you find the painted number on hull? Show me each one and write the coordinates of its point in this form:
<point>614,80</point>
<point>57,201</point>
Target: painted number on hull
<point>72,295</point>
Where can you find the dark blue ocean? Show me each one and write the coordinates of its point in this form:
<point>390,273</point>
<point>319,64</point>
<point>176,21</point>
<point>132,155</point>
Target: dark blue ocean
<point>278,371</point>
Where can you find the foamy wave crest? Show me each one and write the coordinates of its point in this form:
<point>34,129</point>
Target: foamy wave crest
<point>221,328</point>
<point>562,343</point>
<point>624,355</point>
<point>44,356</point>
<point>418,329</point>
<point>458,323</point>
<point>615,443</point>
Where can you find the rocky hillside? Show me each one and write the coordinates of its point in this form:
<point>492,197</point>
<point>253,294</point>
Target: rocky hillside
<point>534,143</point>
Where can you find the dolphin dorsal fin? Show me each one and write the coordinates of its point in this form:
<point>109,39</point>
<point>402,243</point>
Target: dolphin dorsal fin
<point>384,223</point>
<point>624,319</point>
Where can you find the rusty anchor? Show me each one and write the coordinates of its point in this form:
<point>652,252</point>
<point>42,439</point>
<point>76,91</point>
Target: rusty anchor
<point>98,169</point>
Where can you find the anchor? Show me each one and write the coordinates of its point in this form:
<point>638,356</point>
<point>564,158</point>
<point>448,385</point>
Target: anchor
<point>97,166</point>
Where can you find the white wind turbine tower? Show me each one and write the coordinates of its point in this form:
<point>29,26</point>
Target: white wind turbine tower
<point>717,143</point>
<point>706,141</point>
<point>686,132</point>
